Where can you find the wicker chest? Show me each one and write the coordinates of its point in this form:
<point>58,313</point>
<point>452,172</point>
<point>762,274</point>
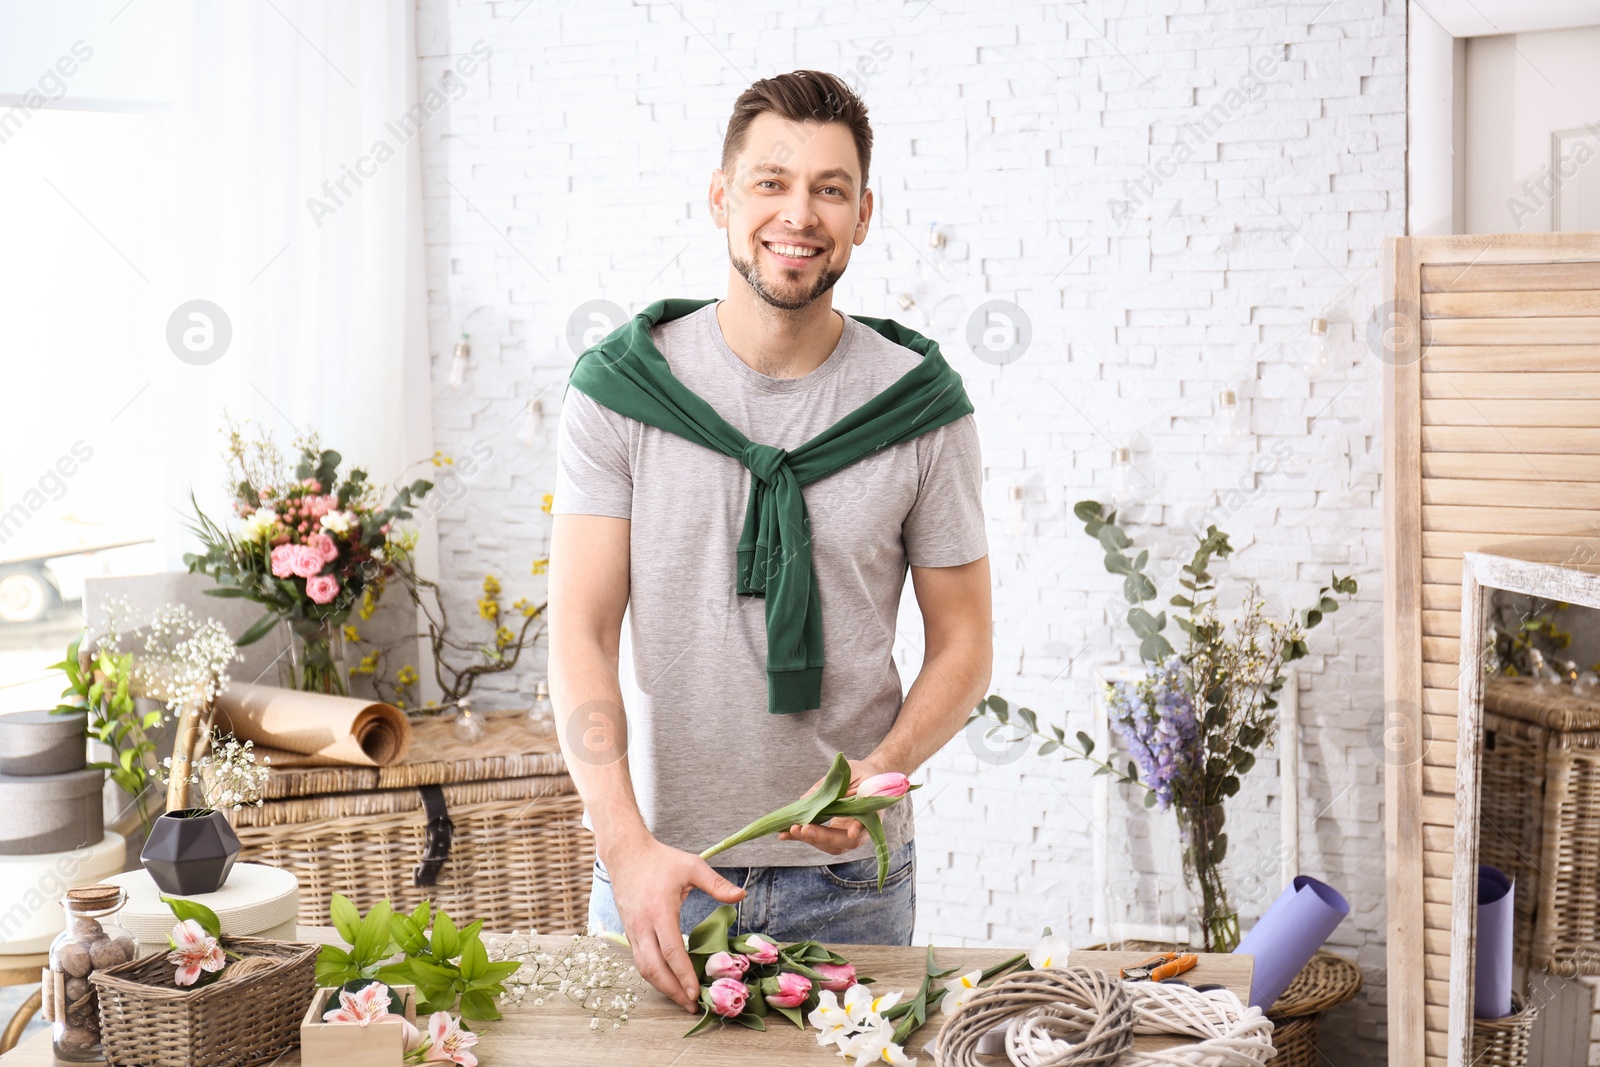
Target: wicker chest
<point>1540,809</point>
<point>490,829</point>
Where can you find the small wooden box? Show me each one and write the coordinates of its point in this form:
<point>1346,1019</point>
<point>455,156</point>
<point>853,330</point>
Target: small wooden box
<point>381,1044</point>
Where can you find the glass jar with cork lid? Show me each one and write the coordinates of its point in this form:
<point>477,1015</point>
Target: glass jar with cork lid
<point>91,942</point>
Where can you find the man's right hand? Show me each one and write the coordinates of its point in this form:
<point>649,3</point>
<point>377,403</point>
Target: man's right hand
<point>650,882</point>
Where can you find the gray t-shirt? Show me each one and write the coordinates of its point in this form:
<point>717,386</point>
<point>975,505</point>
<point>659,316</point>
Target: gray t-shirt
<point>706,757</point>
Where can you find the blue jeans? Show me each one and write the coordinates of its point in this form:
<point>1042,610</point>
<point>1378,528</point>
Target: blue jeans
<point>837,903</point>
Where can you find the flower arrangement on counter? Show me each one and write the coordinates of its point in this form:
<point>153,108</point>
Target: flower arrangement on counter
<point>307,546</point>
<point>832,799</point>
<point>1194,720</point>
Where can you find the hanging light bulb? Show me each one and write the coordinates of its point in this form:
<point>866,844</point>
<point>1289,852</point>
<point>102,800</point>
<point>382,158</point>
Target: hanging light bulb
<point>1319,348</point>
<point>458,362</point>
<point>1233,422</point>
<point>1124,479</point>
<point>532,423</point>
<point>1016,518</point>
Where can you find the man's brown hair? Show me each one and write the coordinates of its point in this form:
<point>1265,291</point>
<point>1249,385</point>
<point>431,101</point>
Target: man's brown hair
<point>800,96</point>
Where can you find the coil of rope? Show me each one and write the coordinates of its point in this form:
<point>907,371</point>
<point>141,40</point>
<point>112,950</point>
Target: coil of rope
<point>1077,1017</point>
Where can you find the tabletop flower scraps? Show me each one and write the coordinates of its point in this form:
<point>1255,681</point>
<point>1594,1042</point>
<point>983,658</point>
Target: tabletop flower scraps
<point>833,799</point>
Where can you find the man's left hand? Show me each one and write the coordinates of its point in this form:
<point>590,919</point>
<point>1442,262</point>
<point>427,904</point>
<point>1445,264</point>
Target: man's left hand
<point>836,836</point>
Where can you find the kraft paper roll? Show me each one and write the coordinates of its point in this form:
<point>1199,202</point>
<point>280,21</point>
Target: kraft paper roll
<point>1496,917</point>
<point>314,729</point>
<point>1289,934</point>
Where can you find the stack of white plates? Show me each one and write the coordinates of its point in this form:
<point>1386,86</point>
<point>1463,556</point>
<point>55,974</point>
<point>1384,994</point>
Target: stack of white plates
<point>256,901</point>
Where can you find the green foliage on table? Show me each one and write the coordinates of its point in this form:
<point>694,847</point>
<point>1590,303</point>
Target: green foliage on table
<point>102,687</point>
<point>445,963</point>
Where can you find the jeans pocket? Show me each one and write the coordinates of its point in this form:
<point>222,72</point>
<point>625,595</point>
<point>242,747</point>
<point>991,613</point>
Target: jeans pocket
<point>863,874</point>
<point>600,871</point>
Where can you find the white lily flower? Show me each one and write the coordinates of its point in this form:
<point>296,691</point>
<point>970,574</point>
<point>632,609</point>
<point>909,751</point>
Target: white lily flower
<point>862,1007</point>
<point>830,1019</point>
<point>960,990</point>
<point>876,1045</point>
<point>1051,951</point>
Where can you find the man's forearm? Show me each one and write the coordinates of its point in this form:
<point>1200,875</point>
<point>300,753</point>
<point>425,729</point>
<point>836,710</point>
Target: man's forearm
<point>950,684</point>
<point>592,727</point>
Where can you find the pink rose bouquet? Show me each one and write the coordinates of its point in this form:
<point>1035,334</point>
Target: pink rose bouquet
<point>309,547</point>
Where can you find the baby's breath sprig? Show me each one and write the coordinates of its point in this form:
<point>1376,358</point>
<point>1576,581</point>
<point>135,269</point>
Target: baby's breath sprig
<point>586,972</point>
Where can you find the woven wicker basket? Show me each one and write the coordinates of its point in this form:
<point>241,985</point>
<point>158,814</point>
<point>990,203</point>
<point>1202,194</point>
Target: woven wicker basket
<point>1540,803</point>
<point>519,858</point>
<point>1504,1042</point>
<point>147,1021</point>
<point>1326,982</point>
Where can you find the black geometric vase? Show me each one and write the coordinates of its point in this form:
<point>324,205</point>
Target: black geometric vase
<point>190,852</point>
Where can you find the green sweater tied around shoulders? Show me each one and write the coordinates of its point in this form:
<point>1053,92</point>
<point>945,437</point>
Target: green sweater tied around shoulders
<point>628,374</point>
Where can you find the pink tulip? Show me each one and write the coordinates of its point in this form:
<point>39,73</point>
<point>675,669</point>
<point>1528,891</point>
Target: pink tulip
<point>759,949</point>
<point>324,546</point>
<point>322,589</point>
<point>837,977</point>
<point>890,784</point>
<point>282,561</point>
<point>787,990</point>
<point>726,965</point>
<point>193,950</point>
<point>306,561</point>
<point>726,997</point>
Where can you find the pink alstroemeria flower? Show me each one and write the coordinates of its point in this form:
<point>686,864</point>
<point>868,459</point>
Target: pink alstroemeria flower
<point>325,546</point>
<point>726,965</point>
<point>367,1005</point>
<point>889,784</point>
<point>322,588</point>
<point>787,990</point>
<point>760,950</point>
<point>449,1042</point>
<point>727,997</point>
<point>837,976</point>
<point>194,951</point>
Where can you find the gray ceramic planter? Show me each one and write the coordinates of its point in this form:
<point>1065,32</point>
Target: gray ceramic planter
<point>189,853</point>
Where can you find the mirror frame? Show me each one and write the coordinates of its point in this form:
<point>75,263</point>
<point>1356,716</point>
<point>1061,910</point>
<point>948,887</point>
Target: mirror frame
<point>1566,569</point>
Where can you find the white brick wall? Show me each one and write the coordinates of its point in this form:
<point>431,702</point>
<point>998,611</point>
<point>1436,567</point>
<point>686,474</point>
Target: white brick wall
<point>576,170</point>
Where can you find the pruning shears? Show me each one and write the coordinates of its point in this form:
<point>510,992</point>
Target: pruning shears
<point>1160,967</point>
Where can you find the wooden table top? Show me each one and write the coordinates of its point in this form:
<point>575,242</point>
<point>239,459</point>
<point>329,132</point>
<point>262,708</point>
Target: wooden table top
<point>653,1036</point>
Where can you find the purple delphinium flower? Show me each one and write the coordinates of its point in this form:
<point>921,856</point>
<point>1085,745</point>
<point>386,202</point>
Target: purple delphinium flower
<point>1155,717</point>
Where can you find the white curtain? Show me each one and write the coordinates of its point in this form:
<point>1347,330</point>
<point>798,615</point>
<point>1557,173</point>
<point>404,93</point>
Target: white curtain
<point>298,211</point>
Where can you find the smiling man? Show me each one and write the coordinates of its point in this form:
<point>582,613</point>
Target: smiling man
<point>745,483</point>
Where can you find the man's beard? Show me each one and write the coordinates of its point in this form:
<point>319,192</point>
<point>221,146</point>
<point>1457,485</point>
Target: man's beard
<point>748,270</point>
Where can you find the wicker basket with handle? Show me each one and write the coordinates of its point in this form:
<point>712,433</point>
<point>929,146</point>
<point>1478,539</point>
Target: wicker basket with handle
<point>518,856</point>
<point>1541,801</point>
<point>148,1021</point>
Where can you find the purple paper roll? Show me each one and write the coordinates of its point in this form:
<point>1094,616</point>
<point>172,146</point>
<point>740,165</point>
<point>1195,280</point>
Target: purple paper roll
<point>1492,981</point>
<point>1289,934</point>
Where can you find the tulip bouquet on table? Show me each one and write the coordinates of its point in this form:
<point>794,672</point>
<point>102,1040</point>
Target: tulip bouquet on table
<point>832,799</point>
<point>743,979</point>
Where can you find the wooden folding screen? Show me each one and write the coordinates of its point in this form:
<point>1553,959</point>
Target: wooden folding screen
<point>1492,433</point>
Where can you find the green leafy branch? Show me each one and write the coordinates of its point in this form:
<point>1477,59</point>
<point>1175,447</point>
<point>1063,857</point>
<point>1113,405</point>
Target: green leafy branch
<point>102,685</point>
